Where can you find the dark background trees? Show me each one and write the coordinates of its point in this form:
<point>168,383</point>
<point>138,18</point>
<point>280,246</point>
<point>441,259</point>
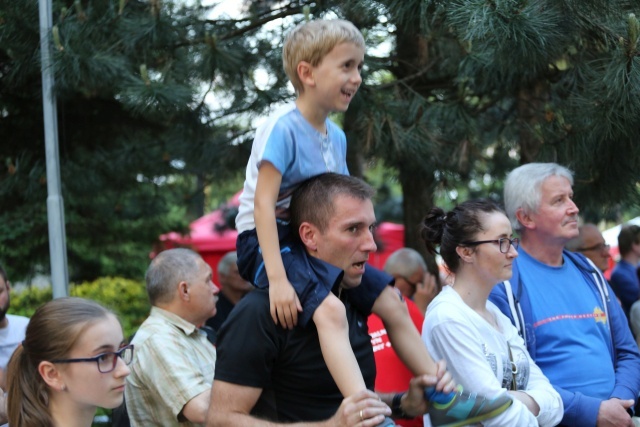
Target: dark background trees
<point>156,102</point>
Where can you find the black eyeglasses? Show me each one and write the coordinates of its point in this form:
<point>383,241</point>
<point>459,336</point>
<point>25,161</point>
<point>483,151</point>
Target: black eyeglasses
<point>504,243</point>
<point>106,361</point>
<point>598,248</point>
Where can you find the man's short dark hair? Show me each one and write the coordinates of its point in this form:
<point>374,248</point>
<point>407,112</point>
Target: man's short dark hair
<point>629,234</point>
<point>312,201</point>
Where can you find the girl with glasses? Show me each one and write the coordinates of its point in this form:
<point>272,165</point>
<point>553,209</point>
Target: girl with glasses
<point>480,345</point>
<point>72,361</point>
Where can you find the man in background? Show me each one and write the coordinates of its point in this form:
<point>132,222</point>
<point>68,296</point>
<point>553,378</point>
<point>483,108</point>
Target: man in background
<point>12,327</point>
<point>591,244</point>
<point>12,330</point>
<point>409,270</point>
<point>624,278</point>
<point>412,278</point>
<point>232,289</point>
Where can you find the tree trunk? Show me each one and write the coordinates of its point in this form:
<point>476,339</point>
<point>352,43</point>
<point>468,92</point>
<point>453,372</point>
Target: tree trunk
<point>531,113</point>
<point>355,156</point>
<point>416,201</point>
<point>417,185</point>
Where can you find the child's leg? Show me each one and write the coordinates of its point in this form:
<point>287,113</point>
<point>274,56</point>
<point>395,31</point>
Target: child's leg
<point>457,408</point>
<point>403,334</point>
<point>333,332</point>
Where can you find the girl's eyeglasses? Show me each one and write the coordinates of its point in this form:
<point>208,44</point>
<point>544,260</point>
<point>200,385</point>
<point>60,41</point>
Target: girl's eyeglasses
<point>106,361</point>
<point>504,243</point>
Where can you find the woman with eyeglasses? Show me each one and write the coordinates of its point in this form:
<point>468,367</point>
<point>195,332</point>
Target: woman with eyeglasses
<point>482,348</point>
<point>72,361</point>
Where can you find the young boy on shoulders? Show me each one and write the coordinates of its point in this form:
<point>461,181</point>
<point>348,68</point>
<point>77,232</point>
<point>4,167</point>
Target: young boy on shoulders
<point>323,59</point>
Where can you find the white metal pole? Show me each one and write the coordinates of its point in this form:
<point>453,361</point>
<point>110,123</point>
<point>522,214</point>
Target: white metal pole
<point>55,202</point>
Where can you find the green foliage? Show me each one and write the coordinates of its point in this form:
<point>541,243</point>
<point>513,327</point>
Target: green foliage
<point>26,302</point>
<point>157,101</point>
<point>127,298</point>
<point>136,144</point>
<point>482,86</point>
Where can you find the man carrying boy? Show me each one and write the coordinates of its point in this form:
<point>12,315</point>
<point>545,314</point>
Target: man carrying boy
<point>279,374</point>
<point>323,60</point>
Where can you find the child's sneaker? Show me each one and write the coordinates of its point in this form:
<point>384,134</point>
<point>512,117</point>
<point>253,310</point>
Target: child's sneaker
<point>462,408</point>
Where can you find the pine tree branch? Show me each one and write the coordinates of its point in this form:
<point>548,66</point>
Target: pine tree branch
<point>405,80</point>
<point>254,24</point>
<point>204,96</point>
<point>258,23</point>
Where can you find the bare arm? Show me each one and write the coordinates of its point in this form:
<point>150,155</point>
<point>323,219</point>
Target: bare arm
<point>283,301</point>
<point>403,334</point>
<point>196,409</point>
<point>231,406</point>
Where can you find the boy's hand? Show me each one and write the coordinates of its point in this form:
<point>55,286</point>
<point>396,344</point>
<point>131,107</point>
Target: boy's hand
<point>284,304</point>
<point>413,402</point>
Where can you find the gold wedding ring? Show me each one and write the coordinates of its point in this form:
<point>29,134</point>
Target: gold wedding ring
<point>361,417</point>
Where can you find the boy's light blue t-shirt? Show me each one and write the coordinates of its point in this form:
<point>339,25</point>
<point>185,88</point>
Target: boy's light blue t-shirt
<point>570,326</point>
<point>298,151</point>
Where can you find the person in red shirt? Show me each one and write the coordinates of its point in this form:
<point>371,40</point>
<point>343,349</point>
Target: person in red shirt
<point>409,270</point>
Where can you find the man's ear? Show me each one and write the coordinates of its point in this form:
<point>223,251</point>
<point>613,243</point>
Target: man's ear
<point>183,291</point>
<point>525,219</point>
<point>309,234</point>
<point>465,253</point>
<point>51,375</point>
<point>305,73</point>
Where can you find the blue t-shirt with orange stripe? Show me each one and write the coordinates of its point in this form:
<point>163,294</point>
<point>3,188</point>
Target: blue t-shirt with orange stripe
<point>577,320</point>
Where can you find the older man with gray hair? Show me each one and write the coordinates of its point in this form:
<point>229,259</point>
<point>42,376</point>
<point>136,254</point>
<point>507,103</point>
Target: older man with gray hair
<point>173,367</point>
<point>412,278</point>
<point>574,328</point>
<point>591,244</point>
<point>232,288</point>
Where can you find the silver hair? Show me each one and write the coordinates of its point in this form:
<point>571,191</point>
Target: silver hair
<point>522,188</point>
<point>404,262</point>
<point>166,270</point>
<point>225,263</point>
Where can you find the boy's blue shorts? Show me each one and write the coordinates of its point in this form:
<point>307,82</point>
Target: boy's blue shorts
<point>311,277</point>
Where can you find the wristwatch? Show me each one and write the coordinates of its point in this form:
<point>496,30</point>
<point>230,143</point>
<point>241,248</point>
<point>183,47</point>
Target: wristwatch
<point>396,407</point>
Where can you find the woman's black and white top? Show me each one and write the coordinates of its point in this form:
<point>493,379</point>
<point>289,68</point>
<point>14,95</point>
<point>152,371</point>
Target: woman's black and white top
<point>477,355</point>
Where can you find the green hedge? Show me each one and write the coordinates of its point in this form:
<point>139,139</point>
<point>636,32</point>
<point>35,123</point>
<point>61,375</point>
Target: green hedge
<point>127,298</point>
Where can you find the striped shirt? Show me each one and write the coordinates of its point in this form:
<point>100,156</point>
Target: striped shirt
<point>173,362</point>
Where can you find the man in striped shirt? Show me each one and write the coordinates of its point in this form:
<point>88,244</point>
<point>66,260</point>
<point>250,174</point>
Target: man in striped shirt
<point>173,366</point>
